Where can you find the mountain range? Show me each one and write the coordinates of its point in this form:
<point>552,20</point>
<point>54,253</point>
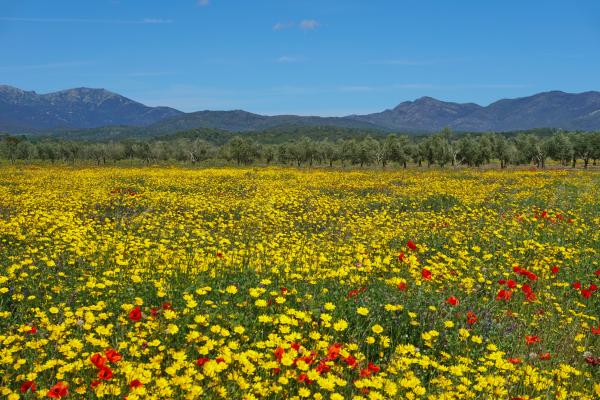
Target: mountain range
<point>26,112</point>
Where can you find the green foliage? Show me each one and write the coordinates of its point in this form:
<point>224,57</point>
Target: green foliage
<point>317,146</point>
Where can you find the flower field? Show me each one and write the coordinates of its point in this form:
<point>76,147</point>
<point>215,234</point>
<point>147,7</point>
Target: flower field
<point>171,283</point>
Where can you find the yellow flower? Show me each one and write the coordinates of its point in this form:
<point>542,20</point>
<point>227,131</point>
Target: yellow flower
<point>377,329</point>
<point>231,289</point>
<point>172,329</point>
<point>362,311</point>
<point>340,325</point>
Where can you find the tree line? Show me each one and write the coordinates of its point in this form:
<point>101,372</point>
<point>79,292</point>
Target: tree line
<point>440,149</point>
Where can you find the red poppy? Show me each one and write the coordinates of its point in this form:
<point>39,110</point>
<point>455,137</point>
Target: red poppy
<point>322,367</point>
<point>593,288</point>
<point>113,356</point>
<point>597,273</point>
<point>372,367</point>
<point>94,384</point>
<point>98,360</point>
<point>153,312</point>
<point>136,383</point>
<point>576,285</point>
<point>596,331</point>
<point>350,360</point>
<point>105,373</point>
<point>402,286</point>
<point>167,306</point>
<point>592,360</point>
<point>411,245</point>
<point>135,314</point>
<point>471,318</point>
<point>532,339</point>
<point>334,351</point>
<point>555,270</point>
<point>453,301</point>
<point>504,295</point>
<point>28,385</point>
<point>511,284</point>
<point>528,291</point>
<point>516,269</point>
<point>514,360</point>
<point>531,276</point>
<point>304,378</point>
<point>365,373</point>
<point>426,274</point>
<point>545,356</point>
<point>33,330</point>
<point>401,257</point>
<point>201,361</point>
<point>295,346</point>
<point>586,293</point>
<point>276,370</point>
<point>220,360</point>
<point>279,353</point>
<point>502,281</point>
<point>59,390</point>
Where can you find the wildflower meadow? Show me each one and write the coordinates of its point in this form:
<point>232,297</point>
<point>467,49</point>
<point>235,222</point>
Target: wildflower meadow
<point>280,283</point>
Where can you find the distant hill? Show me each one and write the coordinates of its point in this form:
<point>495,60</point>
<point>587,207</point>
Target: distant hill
<point>243,121</point>
<point>550,109</point>
<point>24,112</point>
<point>91,113</point>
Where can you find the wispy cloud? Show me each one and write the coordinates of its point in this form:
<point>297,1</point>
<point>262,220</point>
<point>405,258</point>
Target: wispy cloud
<point>405,62</point>
<point>305,25</point>
<point>353,89</point>
<point>283,25</point>
<point>144,21</point>
<point>53,65</point>
<point>286,59</point>
<point>309,24</point>
<point>142,74</point>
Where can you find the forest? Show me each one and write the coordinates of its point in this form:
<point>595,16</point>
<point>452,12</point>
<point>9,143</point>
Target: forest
<point>318,147</point>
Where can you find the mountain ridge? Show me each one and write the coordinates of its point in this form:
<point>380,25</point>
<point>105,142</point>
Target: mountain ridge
<point>84,108</point>
<point>24,111</point>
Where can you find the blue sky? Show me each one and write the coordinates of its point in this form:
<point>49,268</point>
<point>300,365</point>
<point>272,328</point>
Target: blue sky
<point>324,57</point>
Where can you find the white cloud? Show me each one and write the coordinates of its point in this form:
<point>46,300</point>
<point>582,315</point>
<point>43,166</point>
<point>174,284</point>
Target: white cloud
<point>283,25</point>
<point>287,59</point>
<point>305,25</point>
<point>401,62</point>
<point>156,21</point>
<point>309,24</point>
